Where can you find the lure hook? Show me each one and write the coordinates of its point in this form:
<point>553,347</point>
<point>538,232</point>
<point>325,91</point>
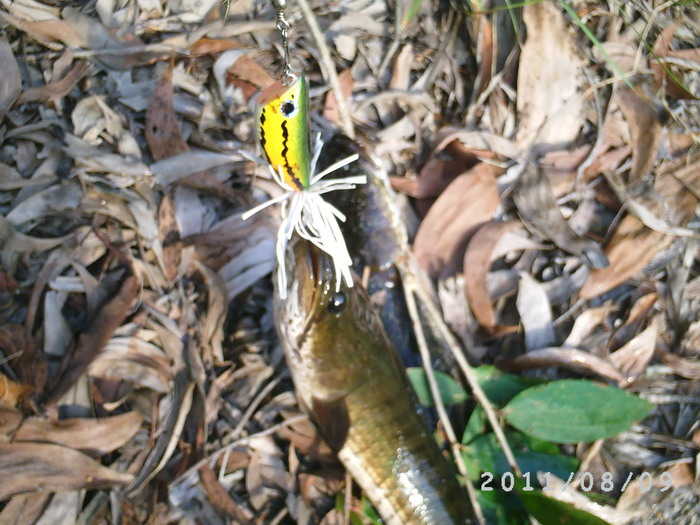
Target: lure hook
<point>283,27</point>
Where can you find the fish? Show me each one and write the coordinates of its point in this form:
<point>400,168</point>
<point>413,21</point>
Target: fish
<point>350,379</point>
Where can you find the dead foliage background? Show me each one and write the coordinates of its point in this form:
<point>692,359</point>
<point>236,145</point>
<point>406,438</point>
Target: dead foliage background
<point>553,184</point>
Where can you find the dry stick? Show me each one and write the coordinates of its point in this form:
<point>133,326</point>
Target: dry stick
<point>409,291</point>
<point>328,69</point>
<point>470,376</point>
<point>252,408</point>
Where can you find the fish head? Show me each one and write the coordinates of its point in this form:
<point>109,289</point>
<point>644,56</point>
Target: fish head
<point>329,333</point>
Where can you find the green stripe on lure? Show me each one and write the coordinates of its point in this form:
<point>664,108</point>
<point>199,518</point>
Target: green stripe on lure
<point>283,131</point>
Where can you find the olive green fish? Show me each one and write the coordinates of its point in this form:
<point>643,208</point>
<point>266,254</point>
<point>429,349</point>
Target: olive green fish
<point>350,379</point>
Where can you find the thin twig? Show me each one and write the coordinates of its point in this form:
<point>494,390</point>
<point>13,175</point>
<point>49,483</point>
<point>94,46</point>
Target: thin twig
<point>243,441</point>
<point>253,407</point>
<point>410,281</point>
<point>410,289</point>
<point>328,69</point>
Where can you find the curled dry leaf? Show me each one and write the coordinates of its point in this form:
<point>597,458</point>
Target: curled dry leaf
<point>47,32</point>
<point>29,467</point>
<point>135,361</point>
<point>93,340</point>
<point>681,367</point>
<point>662,50</point>
<point>446,162</point>
<point>15,340</point>
<point>567,358</point>
<point>167,441</point>
<point>25,508</point>
<point>536,205</point>
<point>586,323</point>
<point>634,357</point>
<point>550,79</point>
<point>477,261</point>
<point>94,437</point>
<point>220,498</point>
<point>11,81</point>
<point>471,199</point>
<point>643,117</point>
<point>535,313</point>
<point>57,88</point>
<point>633,245</point>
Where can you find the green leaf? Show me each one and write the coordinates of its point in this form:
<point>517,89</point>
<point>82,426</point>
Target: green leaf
<point>501,508</point>
<point>476,425</point>
<point>573,411</point>
<point>547,510</point>
<point>531,454</point>
<point>451,391</point>
<point>499,386</point>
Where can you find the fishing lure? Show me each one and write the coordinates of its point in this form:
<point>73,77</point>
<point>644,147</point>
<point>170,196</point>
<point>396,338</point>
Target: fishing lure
<point>283,132</point>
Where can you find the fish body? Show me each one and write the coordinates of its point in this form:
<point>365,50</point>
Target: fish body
<point>283,131</point>
<point>351,380</point>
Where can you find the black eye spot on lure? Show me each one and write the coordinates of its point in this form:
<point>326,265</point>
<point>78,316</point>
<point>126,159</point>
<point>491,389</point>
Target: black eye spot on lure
<point>337,303</point>
<point>289,108</point>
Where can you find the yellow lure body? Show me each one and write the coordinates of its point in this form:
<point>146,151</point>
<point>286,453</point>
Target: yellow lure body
<point>283,131</point>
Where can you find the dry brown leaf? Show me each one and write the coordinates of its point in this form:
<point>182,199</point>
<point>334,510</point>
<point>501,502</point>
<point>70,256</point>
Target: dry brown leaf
<point>536,205</point>
<point>247,74</point>
<point>162,129</point>
<point>29,467</point>
<point>94,437</point>
<point>644,120</point>
<point>477,261</point>
<point>10,80</point>
<point>634,357</point>
<point>443,166</point>
<point>24,509</point>
<point>47,32</point>
<point>585,323</point>
<point>162,451</point>
<point>629,250</point>
<point>212,46</point>
<point>28,365</point>
<point>662,49</point>
<point>568,358</point>
<point>550,79</point>
<point>330,108</point>
<point>96,336</point>
<point>169,234</point>
<point>58,87</point>
<point>681,367</point>
<point>632,244</point>
<point>10,420</point>
<point>12,392</point>
<point>135,361</point>
<point>638,316</point>
<point>220,499</point>
<point>471,199</point>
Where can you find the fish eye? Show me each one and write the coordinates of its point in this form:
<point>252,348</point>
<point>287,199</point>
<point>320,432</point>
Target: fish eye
<point>288,108</point>
<point>337,303</point>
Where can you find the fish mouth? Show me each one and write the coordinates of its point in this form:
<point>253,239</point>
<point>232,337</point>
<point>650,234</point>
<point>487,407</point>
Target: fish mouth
<point>311,276</point>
